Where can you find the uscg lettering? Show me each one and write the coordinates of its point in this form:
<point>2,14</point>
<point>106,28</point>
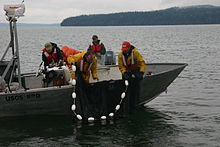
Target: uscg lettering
<point>18,97</point>
<point>13,98</point>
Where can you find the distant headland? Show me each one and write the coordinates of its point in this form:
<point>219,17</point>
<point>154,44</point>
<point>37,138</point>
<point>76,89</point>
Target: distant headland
<point>200,14</point>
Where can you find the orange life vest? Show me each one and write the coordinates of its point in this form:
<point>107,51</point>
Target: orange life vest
<point>50,57</point>
<point>131,65</point>
<point>67,51</point>
<point>96,48</point>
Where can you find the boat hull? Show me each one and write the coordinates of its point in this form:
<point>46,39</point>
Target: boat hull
<point>152,86</point>
<point>55,101</point>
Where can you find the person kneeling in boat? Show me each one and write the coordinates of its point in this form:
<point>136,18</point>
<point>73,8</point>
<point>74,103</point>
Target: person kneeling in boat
<point>85,61</point>
<point>52,55</point>
<point>130,62</point>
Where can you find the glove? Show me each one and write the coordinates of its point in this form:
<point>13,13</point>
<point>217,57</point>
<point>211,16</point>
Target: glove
<point>126,75</point>
<point>139,75</point>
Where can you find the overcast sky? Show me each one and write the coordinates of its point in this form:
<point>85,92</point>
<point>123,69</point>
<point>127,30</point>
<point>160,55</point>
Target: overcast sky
<point>54,11</point>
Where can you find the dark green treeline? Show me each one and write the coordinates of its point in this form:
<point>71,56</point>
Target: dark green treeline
<point>204,14</point>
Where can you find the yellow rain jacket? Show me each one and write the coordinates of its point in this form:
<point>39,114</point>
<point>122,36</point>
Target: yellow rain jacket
<point>84,66</point>
<point>129,65</point>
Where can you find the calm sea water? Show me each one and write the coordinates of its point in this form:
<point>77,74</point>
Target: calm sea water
<point>188,115</point>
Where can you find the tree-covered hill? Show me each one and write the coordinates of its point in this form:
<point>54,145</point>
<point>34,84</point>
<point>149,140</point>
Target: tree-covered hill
<point>204,14</point>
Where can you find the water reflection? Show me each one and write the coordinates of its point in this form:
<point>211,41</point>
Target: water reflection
<point>145,126</point>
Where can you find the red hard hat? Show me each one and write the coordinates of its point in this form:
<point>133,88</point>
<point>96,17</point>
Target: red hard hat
<point>125,45</point>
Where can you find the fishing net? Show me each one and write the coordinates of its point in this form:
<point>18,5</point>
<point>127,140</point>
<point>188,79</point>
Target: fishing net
<point>101,98</point>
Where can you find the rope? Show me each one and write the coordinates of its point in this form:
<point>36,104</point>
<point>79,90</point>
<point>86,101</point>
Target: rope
<point>122,98</point>
<point>73,82</point>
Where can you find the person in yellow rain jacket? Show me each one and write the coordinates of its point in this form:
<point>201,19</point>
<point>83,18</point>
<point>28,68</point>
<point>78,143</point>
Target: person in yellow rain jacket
<point>130,62</point>
<point>86,62</point>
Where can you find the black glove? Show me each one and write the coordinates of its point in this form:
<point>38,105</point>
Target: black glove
<point>126,75</point>
<point>139,75</point>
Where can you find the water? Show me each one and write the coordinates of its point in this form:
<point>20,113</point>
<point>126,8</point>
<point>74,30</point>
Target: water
<point>188,115</point>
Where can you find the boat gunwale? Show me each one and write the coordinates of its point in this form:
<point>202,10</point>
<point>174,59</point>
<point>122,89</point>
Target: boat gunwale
<point>106,67</point>
<point>183,66</point>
